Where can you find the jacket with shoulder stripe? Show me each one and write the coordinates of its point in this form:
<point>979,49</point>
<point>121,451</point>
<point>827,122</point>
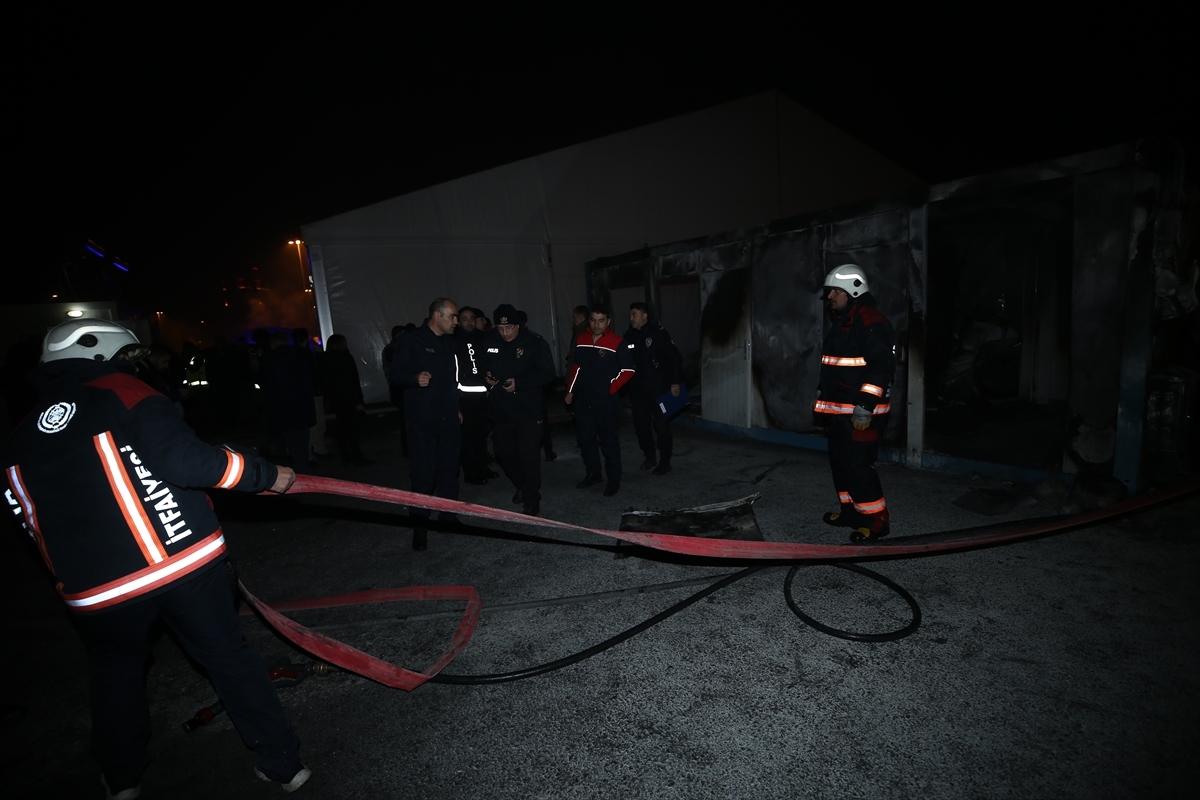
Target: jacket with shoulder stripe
<point>858,361</point>
<point>601,367</point>
<point>108,479</point>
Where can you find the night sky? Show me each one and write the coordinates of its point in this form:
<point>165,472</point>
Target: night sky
<point>193,144</point>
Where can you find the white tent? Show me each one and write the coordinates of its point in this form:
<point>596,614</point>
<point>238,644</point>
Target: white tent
<point>521,233</point>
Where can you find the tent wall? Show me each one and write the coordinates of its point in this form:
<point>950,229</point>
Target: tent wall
<point>522,233</point>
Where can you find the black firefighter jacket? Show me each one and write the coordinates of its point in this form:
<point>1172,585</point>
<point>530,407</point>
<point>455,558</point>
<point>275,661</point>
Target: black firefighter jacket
<point>657,360</point>
<point>527,360</point>
<point>106,477</point>
<point>858,361</point>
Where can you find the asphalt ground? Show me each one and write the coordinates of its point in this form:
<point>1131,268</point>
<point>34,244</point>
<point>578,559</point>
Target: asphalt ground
<point>1056,668</point>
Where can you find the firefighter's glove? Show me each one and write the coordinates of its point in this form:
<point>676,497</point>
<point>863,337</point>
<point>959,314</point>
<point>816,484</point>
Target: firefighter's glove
<point>861,419</point>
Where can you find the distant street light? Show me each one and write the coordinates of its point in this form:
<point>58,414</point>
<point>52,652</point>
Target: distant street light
<point>303,271</point>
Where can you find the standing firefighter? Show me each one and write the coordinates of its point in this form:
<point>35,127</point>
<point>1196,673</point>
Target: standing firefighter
<point>858,362</point>
<point>108,481</point>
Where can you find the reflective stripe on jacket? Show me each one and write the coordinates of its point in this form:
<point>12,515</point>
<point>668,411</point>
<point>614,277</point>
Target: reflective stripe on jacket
<point>601,367</point>
<point>858,361</point>
<point>105,477</point>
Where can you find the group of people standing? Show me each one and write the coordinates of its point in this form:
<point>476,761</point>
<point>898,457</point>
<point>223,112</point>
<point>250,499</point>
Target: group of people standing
<point>108,480</point>
<point>458,383</point>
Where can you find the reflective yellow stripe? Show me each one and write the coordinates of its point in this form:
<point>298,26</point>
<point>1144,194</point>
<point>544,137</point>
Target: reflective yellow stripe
<point>844,361</point>
<point>871,388</point>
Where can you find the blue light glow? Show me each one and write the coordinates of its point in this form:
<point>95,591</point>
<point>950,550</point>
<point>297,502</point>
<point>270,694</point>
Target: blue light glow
<point>94,250</point>
<point>121,267</point>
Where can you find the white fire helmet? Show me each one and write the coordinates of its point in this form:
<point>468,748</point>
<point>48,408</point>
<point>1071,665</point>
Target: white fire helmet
<point>849,278</point>
<point>93,339</point>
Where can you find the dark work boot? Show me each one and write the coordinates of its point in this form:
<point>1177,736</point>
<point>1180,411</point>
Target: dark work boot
<point>612,488</point>
<point>588,480</point>
<point>845,518</point>
<point>663,467</point>
<point>649,462</point>
<point>518,498</point>
<point>870,527</point>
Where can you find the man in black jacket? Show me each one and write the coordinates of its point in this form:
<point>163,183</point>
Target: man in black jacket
<point>108,481</point>
<point>427,369</point>
<point>858,363</point>
<point>517,366</point>
<point>659,368</point>
<point>287,382</point>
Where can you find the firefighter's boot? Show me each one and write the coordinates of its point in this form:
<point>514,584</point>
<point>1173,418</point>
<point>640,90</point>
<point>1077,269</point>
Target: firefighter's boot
<point>870,527</point>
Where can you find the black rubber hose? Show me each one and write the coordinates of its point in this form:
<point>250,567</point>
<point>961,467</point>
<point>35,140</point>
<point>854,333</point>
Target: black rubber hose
<point>891,636</point>
<point>575,658</point>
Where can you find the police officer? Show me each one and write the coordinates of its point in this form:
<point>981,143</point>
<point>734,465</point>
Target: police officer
<point>473,397</point>
<point>517,366</point>
<point>603,364</point>
<point>108,481</point>
<point>425,366</point>
<point>659,368</point>
<point>858,363</point>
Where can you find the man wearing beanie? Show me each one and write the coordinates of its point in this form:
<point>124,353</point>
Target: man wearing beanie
<point>517,364</point>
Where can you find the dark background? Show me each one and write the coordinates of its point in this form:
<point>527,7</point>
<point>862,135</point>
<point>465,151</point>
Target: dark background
<point>194,143</point>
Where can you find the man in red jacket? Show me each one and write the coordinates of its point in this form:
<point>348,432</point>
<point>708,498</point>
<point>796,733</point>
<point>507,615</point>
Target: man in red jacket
<point>603,364</point>
<point>109,483</point>
<point>858,364</point>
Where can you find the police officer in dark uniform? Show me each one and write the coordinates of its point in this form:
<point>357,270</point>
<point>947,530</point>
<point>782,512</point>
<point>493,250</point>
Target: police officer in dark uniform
<point>427,369</point>
<point>517,366</point>
<point>603,364</point>
<point>858,364</point>
<point>473,399</point>
<point>659,368</point>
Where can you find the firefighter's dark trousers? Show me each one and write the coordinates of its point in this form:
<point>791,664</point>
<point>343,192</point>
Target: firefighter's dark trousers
<point>596,426</point>
<point>518,448</point>
<point>852,457</point>
<point>434,450</point>
<point>650,424</point>
<point>200,611</point>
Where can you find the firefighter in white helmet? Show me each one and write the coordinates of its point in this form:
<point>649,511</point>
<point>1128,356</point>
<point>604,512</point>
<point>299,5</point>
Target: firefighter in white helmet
<point>858,363</point>
<point>109,483</point>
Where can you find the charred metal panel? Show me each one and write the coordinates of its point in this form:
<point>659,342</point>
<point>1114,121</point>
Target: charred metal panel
<point>1157,185</point>
<point>878,229</point>
<point>678,265</point>
<point>734,255</point>
<point>910,351</point>
<point>725,341</point>
<point>618,276</point>
<point>788,271</point>
<point>1101,266</point>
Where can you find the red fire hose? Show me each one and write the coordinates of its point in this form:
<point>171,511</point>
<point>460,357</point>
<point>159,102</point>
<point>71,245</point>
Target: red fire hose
<point>354,660</point>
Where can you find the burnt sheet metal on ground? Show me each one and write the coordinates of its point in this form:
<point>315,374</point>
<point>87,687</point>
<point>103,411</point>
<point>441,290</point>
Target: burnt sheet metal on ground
<point>729,520</point>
